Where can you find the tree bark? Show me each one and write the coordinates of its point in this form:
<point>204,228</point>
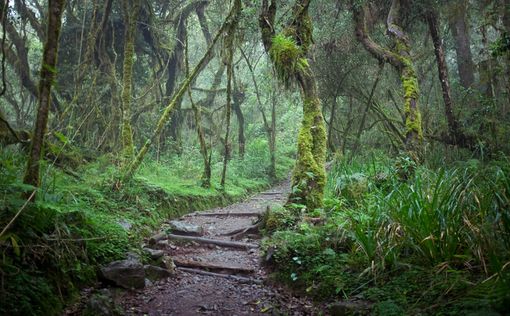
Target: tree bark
<point>206,175</point>
<point>309,176</point>
<point>454,131</point>
<point>131,13</point>
<point>228,42</point>
<point>47,78</point>
<point>238,99</point>
<point>460,32</point>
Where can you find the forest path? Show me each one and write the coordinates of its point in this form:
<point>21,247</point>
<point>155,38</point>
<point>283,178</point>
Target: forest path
<point>208,291</point>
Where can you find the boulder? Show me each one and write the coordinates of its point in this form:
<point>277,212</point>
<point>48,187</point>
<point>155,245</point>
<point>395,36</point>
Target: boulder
<point>167,263</point>
<point>155,273</point>
<point>154,254</point>
<point>187,229</point>
<point>127,273</point>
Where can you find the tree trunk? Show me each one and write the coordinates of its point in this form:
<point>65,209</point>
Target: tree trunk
<point>460,32</point>
<point>131,13</point>
<point>206,175</point>
<point>47,77</point>
<point>272,140</point>
<point>454,132</point>
<point>506,24</point>
<point>331,145</point>
<point>228,43</point>
<point>238,98</point>
<point>309,176</point>
<point>175,67</point>
<point>402,62</point>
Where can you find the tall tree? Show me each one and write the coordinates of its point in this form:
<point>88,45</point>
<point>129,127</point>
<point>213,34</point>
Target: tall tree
<point>176,61</point>
<point>131,13</point>
<point>455,135</point>
<point>228,46</point>
<point>288,53</point>
<point>401,60</point>
<point>460,31</point>
<point>47,78</point>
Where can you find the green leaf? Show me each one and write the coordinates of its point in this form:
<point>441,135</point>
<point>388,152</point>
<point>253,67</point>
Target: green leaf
<point>61,137</point>
<point>15,246</point>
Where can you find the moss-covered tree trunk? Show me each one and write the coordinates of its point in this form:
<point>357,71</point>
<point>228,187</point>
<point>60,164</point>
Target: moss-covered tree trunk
<point>402,61</point>
<point>47,78</point>
<point>228,108</point>
<point>238,99</point>
<point>131,14</point>
<point>413,132</point>
<point>288,51</point>
<point>309,176</point>
<point>228,44</point>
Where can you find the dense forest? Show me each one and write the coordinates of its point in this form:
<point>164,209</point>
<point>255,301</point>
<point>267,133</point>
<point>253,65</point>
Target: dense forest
<point>252,157</point>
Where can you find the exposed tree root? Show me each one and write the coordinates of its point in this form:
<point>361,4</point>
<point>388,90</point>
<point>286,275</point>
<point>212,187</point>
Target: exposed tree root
<point>227,276</point>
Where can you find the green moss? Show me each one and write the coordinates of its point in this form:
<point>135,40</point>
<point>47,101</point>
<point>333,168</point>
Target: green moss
<point>286,56</point>
<point>308,178</point>
<point>414,131</point>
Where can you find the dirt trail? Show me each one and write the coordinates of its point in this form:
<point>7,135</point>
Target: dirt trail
<point>245,293</point>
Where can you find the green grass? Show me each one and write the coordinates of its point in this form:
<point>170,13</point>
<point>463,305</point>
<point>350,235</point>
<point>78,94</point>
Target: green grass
<point>426,245</point>
<point>57,243</point>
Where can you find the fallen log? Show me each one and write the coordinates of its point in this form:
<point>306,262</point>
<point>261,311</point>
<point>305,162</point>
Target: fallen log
<point>241,232</point>
<point>229,214</point>
<point>154,239</point>
<point>221,275</point>
<point>211,267</point>
<point>222,243</point>
<point>271,193</point>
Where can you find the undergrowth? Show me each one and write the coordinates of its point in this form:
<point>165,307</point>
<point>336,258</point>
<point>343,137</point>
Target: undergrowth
<point>438,242</point>
<point>81,220</point>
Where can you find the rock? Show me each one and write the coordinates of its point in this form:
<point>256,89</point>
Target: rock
<point>125,224</point>
<point>101,304</point>
<point>127,273</point>
<point>154,273</point>
<point>162,243</point>
<point>154,254</point>
<point>187,229</point>
<point>148,283</point>
<point>166,262</point>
